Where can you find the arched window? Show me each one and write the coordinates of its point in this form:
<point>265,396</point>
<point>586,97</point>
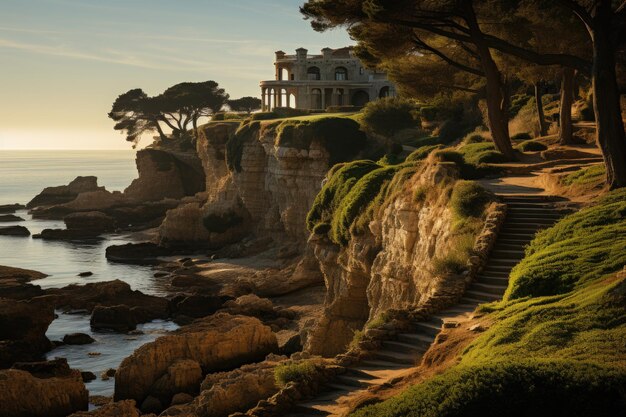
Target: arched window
<point>384,92</point>
<point>316,99</point>
<point>313,73</point>
<point>341,74</point>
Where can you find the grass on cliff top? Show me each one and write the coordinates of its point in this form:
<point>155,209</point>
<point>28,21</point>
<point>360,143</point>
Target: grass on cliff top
<point>294,372</point>
<point>590,176</point>
<point>545,355</point>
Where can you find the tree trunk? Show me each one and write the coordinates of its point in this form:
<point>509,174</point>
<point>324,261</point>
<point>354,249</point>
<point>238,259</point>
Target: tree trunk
<point>158,128</point>
<point>565,111</point>
<point>543,126</point>
<point>496,93</point>
<point>610,134</point>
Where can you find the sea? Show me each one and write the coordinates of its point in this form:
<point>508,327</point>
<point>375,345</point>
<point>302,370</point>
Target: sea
<point>23,174</point>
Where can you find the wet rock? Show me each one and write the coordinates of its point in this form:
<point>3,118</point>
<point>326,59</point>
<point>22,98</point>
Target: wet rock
<point>125,408</point>
<point>65,234</point>
<point>110,372</point>
<point>219,342</point>
<point>11,208</point>
<point>151,405</point>
<point>118,318</point>
<point>108,294</point>
<point>85,274</point>
<point>14,231</point>
<point>64,193</point>
<point>22,394</point>
<point>88,376</point>
<point>45,369</point>
<point>14,283</point>
<point>197,306</point>
<point>23,326</point>
<point>137,253</point>
<point>181,398</point>
<point>7,218</point>
<point>78,339</point>
<point>95,221</point>
<point>161,274</point>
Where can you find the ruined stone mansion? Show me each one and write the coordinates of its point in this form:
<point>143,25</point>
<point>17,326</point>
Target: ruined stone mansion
<point>334,78</point>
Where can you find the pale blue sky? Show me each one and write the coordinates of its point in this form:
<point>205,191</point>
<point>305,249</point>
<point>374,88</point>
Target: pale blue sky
<point>63,62</point>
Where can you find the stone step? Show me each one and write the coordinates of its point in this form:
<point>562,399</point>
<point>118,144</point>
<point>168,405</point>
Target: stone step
<point>402,347</point>
<point>513,227</point>
<point>376,364</point>
<point>533,214</point>
<point>501,260</point>
<point>497,281</point>
<point>517,235</point>
<point>497,268</point>
<point>529,222</point>
<point>430,328</point>
<point>396,357</point>
<point>338,386</point>
<point>488,288</point>
<point>511,244</point>
<point>495,274</point>
<point>531,197</point>
<point>482,296</point>
<point>530,205</point>
<point>354,381</point>
<point>416,339</point>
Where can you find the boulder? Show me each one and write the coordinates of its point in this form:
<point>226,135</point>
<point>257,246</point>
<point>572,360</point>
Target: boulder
<point>118,318</point>
<point>197,306</point>
<point>8,218</point>
<point>45,369</point>
<point>11,208</point>
<point>14,283</point>
<point>64,193</point>
<point>88,376</point>
<point>23,328</point>
<point>14,231</point>
<point>151,405</point>
<point>181,398</point>
<point>183,376</point>
<point>225,393</point>
<point>77,339</point>
<point>95,221</point>
<point>65,234</point>
<point>250,305</point>
<point>217,343</point>
<point>125,408</point>
<point>137,253</point>
<point>109,294</point>
<point>23,394</point>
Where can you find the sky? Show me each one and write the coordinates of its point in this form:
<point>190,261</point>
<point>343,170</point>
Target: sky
<point>63,62</point>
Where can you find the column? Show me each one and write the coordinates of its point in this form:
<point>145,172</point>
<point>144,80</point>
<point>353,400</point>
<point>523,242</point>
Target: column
<point>288,99</point>
<point>263,106</point>
<point>323,99</point>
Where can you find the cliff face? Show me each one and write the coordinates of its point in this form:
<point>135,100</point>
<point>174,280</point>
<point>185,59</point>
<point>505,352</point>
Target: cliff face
<point>268,193</point>
<point>392,264</point>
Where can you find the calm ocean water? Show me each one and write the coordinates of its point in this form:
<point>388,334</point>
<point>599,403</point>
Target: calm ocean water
<point>23,174</point>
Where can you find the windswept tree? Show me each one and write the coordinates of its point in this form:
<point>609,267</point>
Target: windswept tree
<point>247,104</point>
<point>178,107</point>
<point>469,22</point>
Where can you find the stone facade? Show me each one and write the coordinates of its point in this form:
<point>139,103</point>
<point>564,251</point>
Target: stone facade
<point>334,78</point>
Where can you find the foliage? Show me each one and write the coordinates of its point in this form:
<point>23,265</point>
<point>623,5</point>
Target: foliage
<point>389,115</point>
<point>517,102</point>
<point>220,223</point>
<point>531,146</point>
<point>245,104</point>
<point>583,246</point>
<point>294,372</point>
<point>422,153</point>
<point>521,136</point>
<point>481,153</point>
<point>515,389</point>
<point>590,176</point>
<point>267,115</point>
<point>469,199</point>
<point>343,109</point>
<point>247,132</point>
<point>474,138</point>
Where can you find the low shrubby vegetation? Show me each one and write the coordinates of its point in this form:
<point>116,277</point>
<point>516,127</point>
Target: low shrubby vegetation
<point>590,176</point>
<point>531,146</point>
<point>294,372</point>
<point>389,115</point>
<point>556,347</point>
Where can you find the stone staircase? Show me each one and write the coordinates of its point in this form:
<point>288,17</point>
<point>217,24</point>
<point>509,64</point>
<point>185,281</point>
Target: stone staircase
<point>526,215</point>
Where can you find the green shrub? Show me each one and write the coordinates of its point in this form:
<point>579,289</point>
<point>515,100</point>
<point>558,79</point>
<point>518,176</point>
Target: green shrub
<point>521,136</point>
<point>481,153</point>
<point>388,116</point>
<point>422,153</point>
<point>469,199</point>
<point>518,101</point>
<point>581,247</point>
<point>428,113</point>
<point>475,138</point>
<point>531,146</point>
<point>591,176</point>
<point>235,116</point>
<point>390,159</point>
<point>321,229</point>
<point>294,372</point>
<point>267,115</point>
<point>247,132</point>
<point>528,388</point>
<point>425,141</point>
<point>218,116</point>
<point>220,223</point>
<point>343,109</point>
<point>283,112</point>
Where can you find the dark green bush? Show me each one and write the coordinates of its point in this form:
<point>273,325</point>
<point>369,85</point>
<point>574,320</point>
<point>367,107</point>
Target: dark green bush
<point>388,116</point>
<point>267,115</point>
<point>283,112</point>
<point>428,113</point>
<point>422,153</point>
<point>531,146</point>
<point>523,389</point>
<point>343,109</point>
<point>591,176</point>
<point>220,223</point>
<point>469,199</point>
<point>218,116</point>
<point>521,136</point>
<point>475,139</point>
<point>321,229</point>
<point>517,102</point>
<point>294,372</point>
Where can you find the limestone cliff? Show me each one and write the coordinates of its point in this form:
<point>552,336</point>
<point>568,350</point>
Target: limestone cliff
<point>403,259</point>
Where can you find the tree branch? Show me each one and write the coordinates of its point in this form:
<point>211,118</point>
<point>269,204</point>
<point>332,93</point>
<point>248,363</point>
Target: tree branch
<point>447,59</point>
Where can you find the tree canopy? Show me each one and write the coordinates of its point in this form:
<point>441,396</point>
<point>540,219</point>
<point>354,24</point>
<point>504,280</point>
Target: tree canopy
<point>247,104</point>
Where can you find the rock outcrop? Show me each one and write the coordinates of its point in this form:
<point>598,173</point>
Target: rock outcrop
<point>20,231</point>
<point>24,394</point>
<point>390,265</point>
<point>23,327</point>
<point>90,221</point>
<point>10,218</point>
<point>217,343</point>
<point>14,283</point>
<point>126,408</point>
<point>51,196</point>
<point>166,174</point>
